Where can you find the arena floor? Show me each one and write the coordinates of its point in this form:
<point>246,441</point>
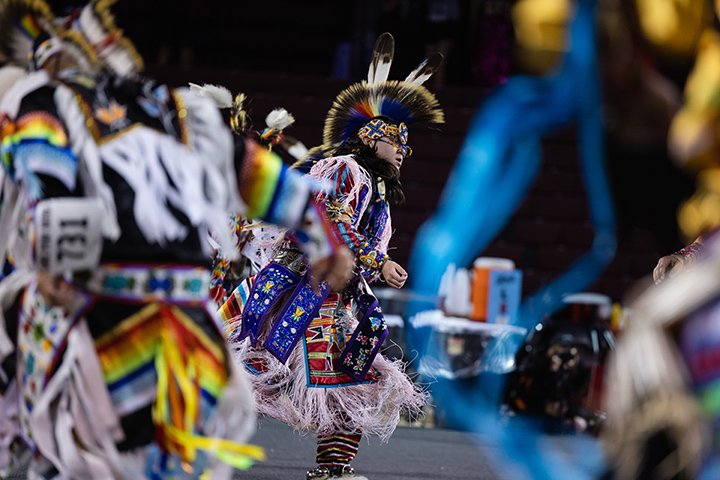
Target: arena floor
<point>412,453</point>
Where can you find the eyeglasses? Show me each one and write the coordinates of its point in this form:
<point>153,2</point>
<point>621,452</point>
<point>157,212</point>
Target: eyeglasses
<point>404,149</point>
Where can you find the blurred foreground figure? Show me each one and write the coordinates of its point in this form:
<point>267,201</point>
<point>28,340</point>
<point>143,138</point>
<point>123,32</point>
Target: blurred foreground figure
<point>113,364</point>
<point>314,352</point>
<point>664,380</point>
<point>661,397</point>
<point>695,144</point>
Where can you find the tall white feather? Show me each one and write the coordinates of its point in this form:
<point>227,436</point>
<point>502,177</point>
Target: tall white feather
<point>113,56</point>
<point>382,59</point>
<point>217,93</point>
<point>90,26</point>
<point>425,70</point>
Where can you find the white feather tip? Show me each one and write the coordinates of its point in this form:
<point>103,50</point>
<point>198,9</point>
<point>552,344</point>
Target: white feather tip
<point>382,58</point>
<point>218,94</point>
<point>279,119</point>
<point>426,69</point>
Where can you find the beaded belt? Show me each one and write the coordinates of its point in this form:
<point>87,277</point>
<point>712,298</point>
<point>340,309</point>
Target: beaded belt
<point>149,282</point>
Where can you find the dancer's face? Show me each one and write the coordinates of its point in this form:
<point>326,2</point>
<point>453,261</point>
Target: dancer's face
<point>388,149</point>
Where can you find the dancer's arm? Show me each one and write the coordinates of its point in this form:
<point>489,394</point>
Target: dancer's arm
<point>343,203</point>
<point>671,265</point>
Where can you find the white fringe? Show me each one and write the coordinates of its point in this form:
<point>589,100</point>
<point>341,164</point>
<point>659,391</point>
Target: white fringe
<point>325,170</point>
<point>88,154</point>
<point>73,422</point>
<point>212,143</point>
<point>10,287</point>
<point>372,408</point>
<point>234,418</point>
<point>282,393</point>
<point>9,425</point>
<point>263,244</point>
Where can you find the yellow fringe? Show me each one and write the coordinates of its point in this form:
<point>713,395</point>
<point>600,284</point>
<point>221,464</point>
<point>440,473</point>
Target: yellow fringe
<point>171,366</point>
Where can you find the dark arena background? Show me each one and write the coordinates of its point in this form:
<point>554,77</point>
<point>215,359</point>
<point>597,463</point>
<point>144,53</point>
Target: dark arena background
<point>299,55</point>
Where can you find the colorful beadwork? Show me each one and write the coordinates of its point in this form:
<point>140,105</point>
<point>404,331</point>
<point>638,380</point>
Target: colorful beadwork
<point>273,192</point>
<point>38,145</point>
<point>231,311</point>
<point>181,284</point>
<point>269,285</point>
<point>370,259</point>
<point>325,339</point>
<point>42,335</point>
<point>365,343</point>
<point>302,306</point>
<point>376,129</point>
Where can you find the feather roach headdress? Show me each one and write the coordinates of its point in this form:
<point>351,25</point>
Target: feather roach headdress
<point>23,23</point>
<point>97,26</point>
<point>29,37</point>
<point>402,101</point>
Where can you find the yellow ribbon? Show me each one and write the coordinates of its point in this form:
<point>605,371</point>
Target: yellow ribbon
<point>169,359</point>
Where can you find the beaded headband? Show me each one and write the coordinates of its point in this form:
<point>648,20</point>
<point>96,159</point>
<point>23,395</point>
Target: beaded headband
<point>377,128</point>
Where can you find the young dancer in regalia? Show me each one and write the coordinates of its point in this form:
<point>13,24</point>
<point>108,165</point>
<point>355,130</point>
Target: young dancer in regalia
<point>313,351</point>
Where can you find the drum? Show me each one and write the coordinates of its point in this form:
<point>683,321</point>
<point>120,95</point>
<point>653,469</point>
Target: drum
<point>560,368</point>
<point>591,313</point>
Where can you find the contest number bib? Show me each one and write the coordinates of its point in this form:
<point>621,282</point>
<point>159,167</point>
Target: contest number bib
<point>68,234</point>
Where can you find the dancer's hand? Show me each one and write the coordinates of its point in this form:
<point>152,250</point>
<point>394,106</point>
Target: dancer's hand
<point>394,274</point>
<point>55,290</point>
<point>668,266</point>
<point>336,270</point>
